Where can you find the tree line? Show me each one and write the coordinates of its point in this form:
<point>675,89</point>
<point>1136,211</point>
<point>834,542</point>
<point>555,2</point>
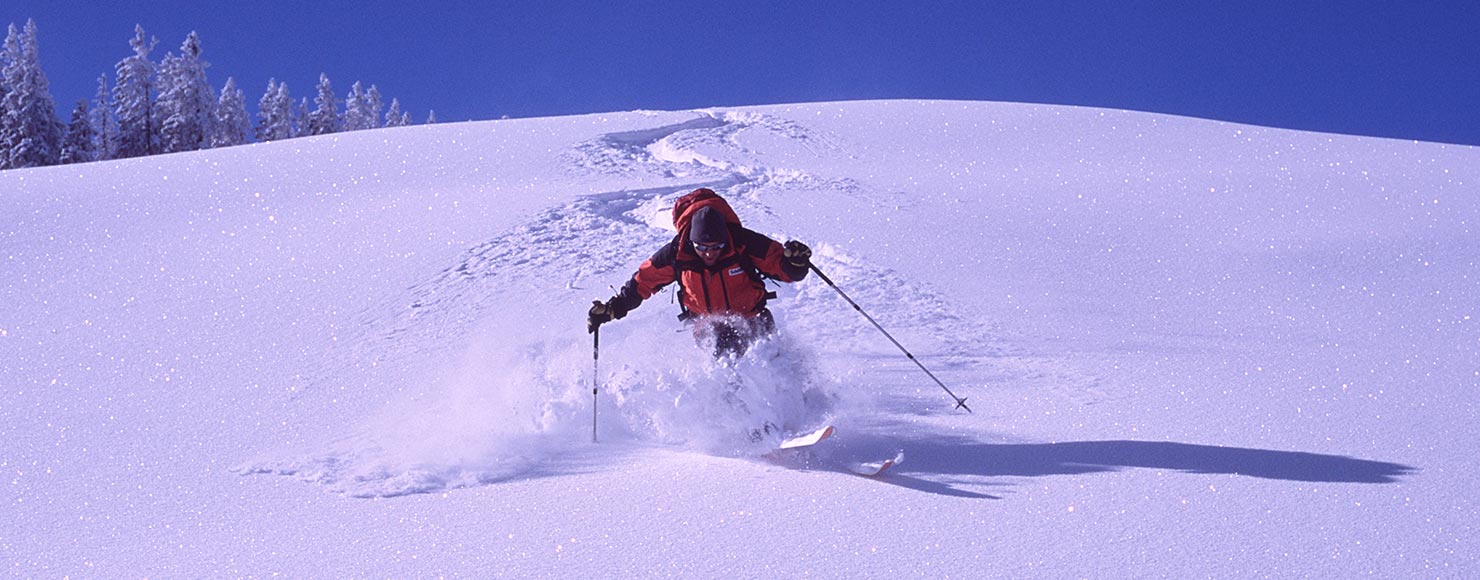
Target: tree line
<point>161,107</point>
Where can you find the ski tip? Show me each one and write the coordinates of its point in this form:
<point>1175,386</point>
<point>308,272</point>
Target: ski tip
<point>961,404</point>
<point>877,468</point>
<point>808,439</point>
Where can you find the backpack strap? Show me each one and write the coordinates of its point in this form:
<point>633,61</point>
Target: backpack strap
<point>758,276</point>
<point>746,261</point>
<point>678,269</point>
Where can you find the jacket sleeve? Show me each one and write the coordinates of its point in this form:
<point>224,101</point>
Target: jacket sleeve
<point>766,254</point>
<point>654,273</point>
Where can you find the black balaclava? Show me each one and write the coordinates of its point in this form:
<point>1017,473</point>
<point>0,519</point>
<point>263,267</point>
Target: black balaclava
<point>708,227</point>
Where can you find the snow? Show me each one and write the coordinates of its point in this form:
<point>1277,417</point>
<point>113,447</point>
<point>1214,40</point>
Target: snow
<point>1194,349</point>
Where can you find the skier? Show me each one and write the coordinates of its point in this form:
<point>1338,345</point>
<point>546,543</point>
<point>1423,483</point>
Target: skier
<point>720,268</point>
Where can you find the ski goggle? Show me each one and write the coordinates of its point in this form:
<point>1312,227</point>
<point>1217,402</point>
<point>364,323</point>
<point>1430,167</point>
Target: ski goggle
<point>715,247</point>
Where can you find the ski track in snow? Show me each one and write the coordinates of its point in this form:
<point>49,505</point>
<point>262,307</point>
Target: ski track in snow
<point>594,242</point>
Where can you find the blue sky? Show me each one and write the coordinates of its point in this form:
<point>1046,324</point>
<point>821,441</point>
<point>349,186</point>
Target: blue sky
<point>1395,69</point>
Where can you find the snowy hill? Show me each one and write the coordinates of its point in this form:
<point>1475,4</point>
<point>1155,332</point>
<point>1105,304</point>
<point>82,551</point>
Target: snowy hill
<point>1194,349</point>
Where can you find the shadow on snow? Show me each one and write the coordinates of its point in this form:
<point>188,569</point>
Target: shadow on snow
<point>927,459</point>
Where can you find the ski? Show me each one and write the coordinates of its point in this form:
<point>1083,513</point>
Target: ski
<point>807,440</point>
<point>876,468</point>
<point>867,469</point>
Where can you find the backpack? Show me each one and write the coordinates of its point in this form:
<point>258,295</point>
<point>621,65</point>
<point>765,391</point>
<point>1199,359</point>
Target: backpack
<point>686,206</point>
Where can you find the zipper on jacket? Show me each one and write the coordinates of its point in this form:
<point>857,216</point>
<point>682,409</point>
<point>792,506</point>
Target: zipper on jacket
<point>724,288</point>
<point>704,282</point>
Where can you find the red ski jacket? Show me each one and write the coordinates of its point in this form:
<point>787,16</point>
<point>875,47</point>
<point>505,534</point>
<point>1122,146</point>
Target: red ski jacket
<point>735,284</point>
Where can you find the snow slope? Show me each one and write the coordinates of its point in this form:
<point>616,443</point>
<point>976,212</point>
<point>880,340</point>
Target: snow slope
<point>1195,349</point>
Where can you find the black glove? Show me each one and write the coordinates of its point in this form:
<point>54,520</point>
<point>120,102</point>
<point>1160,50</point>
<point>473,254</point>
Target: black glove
<point>797,254</point>
<point>599,314</point>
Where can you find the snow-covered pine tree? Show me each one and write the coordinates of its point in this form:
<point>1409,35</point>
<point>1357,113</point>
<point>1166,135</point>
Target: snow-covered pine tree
<point>133,100</point>
<point>265,118</point>
<point>355,105</point>
<point>394,117</point>
<point>186,100</point>
<point>104,127</point>
<point>300,115</point>
<point>78,143</point>
<point>30,133</point>
<point>10,132</point>
<point>431,117</point>
<point>166,109</point>
<point>373,105</point>
<point>324,119</point>
<point>275,113</point>
<point>231,126</point>
<point>287,115</point>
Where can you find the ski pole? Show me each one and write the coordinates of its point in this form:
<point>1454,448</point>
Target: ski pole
<point>960,402</point>
<point>595,378</point>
